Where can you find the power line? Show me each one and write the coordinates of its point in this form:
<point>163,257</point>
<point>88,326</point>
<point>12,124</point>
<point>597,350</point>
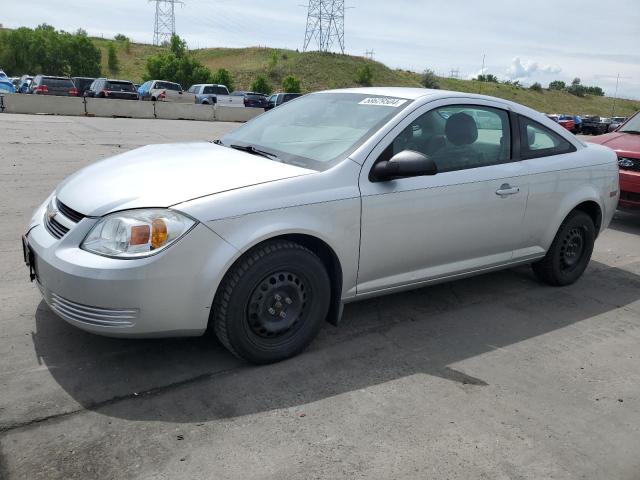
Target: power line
<point>369,54</point>
<point>165,23</point>
<point>325,25</point>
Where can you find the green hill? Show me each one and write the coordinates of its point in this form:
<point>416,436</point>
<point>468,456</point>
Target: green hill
<point>318,71</point>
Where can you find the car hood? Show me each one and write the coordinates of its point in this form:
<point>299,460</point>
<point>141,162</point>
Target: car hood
<point>623,143</point>
<point>164,175</point>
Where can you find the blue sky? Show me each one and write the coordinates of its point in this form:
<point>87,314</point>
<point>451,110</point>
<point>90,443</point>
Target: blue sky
<point>539,40</point>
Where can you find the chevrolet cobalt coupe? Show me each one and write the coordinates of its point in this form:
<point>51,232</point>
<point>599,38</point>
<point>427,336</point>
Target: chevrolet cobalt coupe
<point>333,197</point>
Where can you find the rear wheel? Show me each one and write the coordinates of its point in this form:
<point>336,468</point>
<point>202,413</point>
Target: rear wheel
<point>272,302</point>
<point>570,251</point>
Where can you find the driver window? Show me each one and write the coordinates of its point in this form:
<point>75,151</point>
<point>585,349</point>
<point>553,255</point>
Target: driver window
<point>458,137</point>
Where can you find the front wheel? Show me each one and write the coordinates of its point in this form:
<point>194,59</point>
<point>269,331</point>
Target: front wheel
<point>272,302</point>
<point>570,251</point>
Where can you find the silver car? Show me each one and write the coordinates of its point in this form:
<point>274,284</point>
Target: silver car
<point>333,197</point>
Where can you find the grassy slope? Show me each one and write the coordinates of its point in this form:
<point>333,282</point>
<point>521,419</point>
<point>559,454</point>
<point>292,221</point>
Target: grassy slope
<point>319,71</point>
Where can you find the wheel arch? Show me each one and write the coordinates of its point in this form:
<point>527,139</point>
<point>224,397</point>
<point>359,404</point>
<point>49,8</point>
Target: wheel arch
<point>319,247</point>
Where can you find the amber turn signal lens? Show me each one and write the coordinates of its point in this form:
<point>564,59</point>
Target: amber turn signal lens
<point>140,235</point>
<point>158,233</point>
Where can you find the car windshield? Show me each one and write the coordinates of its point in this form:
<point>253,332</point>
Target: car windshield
<point>632,125</point>
<point>317,130</point>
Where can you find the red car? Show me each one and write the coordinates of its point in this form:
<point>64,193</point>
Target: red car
<point>625,141</point>
<point>567,122</point>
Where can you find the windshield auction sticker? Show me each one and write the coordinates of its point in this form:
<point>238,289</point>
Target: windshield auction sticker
<point>383,101</point>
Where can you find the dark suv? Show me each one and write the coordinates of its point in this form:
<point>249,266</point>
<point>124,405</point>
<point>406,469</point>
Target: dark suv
<point>48,85</point>
<point>106,88</point>
<point>82,84</point>
<point>280,98</point>
<point>252,99</point>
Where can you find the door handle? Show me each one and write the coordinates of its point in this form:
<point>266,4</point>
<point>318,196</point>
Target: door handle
<point>505,190</point>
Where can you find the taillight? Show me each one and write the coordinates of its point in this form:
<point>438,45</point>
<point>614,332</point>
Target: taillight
<point>162,96</point>
<point>105,93</point>
<point>73,92</point>
<point>41,89</point>
<point>246,102</point>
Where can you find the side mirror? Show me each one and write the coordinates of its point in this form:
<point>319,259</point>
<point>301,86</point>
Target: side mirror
<point>407,163</point>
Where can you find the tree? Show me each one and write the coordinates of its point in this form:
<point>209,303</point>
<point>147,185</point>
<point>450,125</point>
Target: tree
<point>557,85</point>
<point>364,76</point>
<point>429,79</point>
<point>223,77</point>
<point>536,87</point>
<point>260,85</point>
<point>487,77</point>
<point>177,66</point>
<point>291,85</point>
<point>177,46</point>
<point>112,59</point>
<point>576,88</point>
<point>597,91</point>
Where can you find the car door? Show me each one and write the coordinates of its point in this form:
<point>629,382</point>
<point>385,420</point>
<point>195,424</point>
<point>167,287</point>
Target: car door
<point>467,217</point>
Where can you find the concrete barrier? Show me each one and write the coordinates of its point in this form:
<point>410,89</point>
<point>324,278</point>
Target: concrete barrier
<point>184,111</point>
<point>109,107</point>
<point>102,107</point>
<point>234,114</point>
<point>43,104</point>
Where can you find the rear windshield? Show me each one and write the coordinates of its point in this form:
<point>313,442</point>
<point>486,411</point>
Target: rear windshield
<point>255,96</point>
<point>120,86</point>
<point>57,82</point>
<point>214,90</point>
<point>168,86</point>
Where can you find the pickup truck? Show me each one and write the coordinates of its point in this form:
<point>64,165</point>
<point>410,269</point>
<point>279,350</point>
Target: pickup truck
<point>595,125</point>
<point>211,94</point>
<point>163,91</point>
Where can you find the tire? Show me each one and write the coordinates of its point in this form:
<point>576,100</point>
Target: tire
<point>272,302</point>
<point>570,252</point>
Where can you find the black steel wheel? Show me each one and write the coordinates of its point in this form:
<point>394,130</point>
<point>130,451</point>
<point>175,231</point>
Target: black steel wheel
<point>570,252</point>
<point>272,302</point>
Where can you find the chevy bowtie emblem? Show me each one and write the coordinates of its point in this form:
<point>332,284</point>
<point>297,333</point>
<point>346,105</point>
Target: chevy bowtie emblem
<point>51,212</point>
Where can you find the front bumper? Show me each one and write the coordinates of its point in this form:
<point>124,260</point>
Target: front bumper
<point>629,189</point>
<point>168,294</point>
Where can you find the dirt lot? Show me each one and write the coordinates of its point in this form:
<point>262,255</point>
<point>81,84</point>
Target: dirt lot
<point>494,377</point>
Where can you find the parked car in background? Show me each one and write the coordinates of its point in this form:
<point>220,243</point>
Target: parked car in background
<point>594,125</point>
<point>211,94</point>
<point>50,85</point>
<point>567,121</point>
<point>16,82</point>
<point>339,196</point>
<point>24,83</point>
<point>82,84</point>
<point>280,98</point>
<point>252,99</point>
<point>625,141</point>
<point>163,91</point>
<point>616,122</point>
<point>108,88</point>
<point>6,86</point>
<point>552,116</point>
<point>2,74</point>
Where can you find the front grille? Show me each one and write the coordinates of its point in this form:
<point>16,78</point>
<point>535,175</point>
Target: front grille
<point>102,317</point>
<point>626,163</point>
<point>68,212</point>
<point>55,228</point>
<point>630,196</point>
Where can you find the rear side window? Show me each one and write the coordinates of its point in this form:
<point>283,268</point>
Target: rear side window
<point>537,140</point>
<point>168,86</point>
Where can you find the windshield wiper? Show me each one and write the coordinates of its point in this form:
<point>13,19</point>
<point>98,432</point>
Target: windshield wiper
<point>253,150</point>
<point>633,132</point>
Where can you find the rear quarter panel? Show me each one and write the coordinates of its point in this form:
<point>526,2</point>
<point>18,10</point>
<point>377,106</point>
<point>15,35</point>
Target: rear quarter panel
<point>559,183</point>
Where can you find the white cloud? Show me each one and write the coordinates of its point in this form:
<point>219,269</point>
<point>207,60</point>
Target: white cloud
<point>526,69</point>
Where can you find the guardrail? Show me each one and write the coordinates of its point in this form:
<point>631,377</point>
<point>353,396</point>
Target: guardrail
<point>103,107</point>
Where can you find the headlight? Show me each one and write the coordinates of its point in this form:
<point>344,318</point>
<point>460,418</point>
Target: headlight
<point>136,233</point>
